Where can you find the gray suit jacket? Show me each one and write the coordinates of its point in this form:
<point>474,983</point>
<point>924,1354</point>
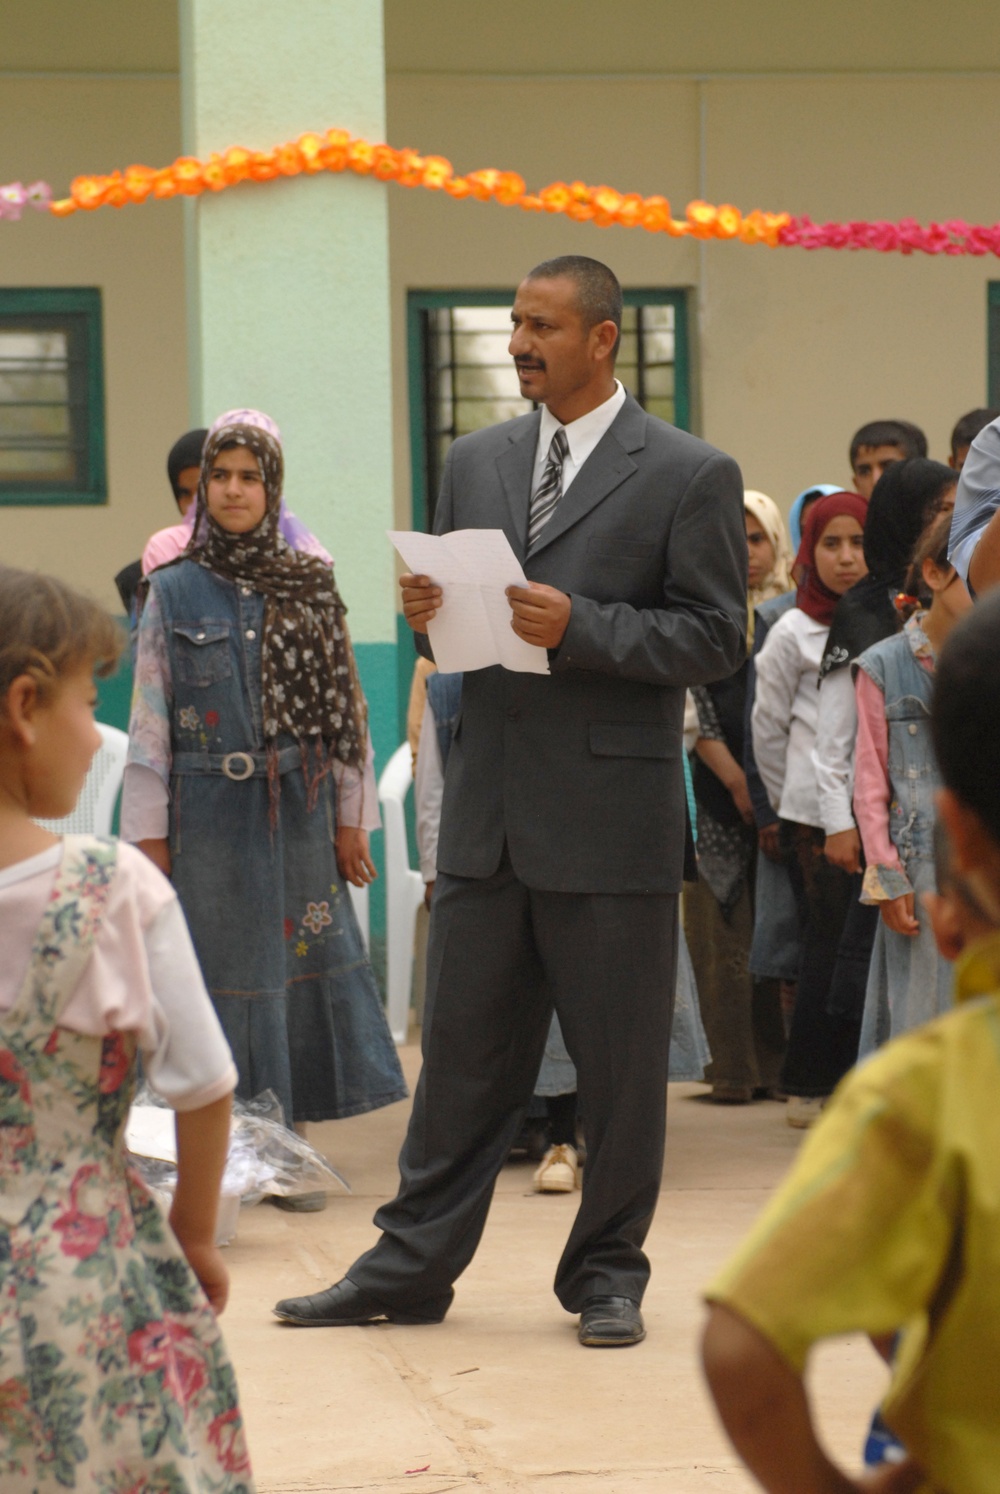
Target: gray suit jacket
<point>580,771</point>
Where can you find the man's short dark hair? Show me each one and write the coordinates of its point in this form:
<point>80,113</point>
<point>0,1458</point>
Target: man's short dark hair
<point>968,428</point>
<point>965,712</point>
<point>909,438</point>
<point>598,294</point>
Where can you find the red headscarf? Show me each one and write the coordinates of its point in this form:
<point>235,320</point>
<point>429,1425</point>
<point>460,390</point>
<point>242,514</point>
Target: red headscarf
<point>812,596</point>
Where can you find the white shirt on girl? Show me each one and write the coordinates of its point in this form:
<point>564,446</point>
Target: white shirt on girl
<point>142,976</point>
<point>786,713</point>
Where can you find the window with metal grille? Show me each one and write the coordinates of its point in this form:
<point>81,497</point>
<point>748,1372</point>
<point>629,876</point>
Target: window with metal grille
<point>462,377</point>
<point>51,397</point>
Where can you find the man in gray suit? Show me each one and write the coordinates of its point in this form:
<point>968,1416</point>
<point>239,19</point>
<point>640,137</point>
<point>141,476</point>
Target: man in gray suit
<point>562,829</point>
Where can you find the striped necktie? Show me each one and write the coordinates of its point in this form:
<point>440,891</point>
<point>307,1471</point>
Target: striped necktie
<point>549,490</point>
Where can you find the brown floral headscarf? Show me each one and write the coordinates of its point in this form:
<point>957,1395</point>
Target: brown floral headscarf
<point>310,688</point>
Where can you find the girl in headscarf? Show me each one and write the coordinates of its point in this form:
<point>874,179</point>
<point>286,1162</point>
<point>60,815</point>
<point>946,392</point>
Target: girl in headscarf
<point>800,507</point>
<point>250,782</point>
<point>830,560</point>
<point>770,556</point>
<point>183,473</point>
<point>743,1025</point>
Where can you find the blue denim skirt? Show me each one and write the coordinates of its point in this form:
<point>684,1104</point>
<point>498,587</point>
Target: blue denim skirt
<point>279,945</point>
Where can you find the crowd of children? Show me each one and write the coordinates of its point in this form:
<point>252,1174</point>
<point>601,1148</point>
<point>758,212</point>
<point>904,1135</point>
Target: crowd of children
<point>814,780</point>
<point>847,817</point>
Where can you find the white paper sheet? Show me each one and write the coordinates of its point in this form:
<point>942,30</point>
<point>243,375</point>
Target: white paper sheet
<point>150,1133</point>
<point>473,568</point>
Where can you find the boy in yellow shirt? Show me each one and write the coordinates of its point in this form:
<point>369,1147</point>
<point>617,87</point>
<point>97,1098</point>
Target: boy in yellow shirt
<point>890,1218</point>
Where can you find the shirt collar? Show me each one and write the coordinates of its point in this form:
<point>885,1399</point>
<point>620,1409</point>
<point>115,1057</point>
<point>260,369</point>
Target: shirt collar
<point>582,434</point>
<point>920,644</point>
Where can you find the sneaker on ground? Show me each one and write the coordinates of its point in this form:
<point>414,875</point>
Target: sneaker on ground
<point>804,1111</point>
<point>558,1171</point>
<point>300,1203</point>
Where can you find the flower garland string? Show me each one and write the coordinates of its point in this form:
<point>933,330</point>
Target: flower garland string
<point>14,197</point>
<point>337,150</point>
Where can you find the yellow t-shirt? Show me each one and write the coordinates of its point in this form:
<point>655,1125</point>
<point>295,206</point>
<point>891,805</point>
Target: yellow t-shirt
<point>890,1219</point>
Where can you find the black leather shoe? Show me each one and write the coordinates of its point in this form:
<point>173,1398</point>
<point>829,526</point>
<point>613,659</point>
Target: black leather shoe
<point>610,1323</point>
<point>346,1306</point>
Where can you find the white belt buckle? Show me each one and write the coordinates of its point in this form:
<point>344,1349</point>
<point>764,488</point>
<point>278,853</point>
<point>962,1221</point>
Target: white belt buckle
<point>238,766</point>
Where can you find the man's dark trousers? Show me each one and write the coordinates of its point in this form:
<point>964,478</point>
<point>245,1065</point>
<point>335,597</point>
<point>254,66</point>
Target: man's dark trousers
<point>500,955</point>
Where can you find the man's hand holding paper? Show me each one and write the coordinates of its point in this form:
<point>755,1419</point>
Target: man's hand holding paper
<point>541,613</point>
<point>469,594</point>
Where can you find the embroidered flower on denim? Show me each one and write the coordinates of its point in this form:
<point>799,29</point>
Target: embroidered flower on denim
<point>302,947</point>
<point>317,917</point>
<point>189,718</point>
<point>211,719</point>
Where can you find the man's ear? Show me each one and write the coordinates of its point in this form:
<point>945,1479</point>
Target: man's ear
<point>19,708</point>
<point>605,335</point>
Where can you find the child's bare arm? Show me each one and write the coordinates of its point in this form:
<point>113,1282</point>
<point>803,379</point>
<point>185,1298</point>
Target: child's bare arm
<point>158,852</point>
<point>763,1406</point>
<point>202,1143</point>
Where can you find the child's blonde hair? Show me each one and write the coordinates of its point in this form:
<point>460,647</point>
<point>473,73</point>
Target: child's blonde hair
<point>48,630</point>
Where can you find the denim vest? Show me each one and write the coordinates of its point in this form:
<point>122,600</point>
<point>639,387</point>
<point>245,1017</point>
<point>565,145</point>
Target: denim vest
<point>913,772</point>
<point>213,633</point>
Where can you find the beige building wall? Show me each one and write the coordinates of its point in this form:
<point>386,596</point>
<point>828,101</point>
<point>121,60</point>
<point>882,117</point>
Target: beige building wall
<point>851,111</point>
<point>81,91</point>
<point>867,108</point>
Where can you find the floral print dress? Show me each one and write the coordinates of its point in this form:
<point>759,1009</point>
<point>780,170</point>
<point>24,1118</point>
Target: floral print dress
<point>113,1375</point>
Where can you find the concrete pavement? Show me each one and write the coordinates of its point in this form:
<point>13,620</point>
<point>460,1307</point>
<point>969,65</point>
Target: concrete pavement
<point>500,1397</point>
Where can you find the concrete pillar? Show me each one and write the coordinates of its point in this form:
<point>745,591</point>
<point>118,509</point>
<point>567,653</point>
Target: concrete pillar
<point>288,284</point>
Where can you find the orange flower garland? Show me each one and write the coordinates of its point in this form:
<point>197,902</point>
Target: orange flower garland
<point>338,150</point>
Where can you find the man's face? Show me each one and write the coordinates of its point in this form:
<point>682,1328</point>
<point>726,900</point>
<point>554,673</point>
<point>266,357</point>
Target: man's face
<point>554,353</point>
<point>869,464</point>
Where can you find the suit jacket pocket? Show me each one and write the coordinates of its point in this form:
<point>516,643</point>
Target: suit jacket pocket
<point>633,739</point>
<point>615,549</point>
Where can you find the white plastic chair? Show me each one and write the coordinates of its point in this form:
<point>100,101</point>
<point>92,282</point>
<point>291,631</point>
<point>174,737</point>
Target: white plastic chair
<point>95,809</point>
<point>359,902</point>
<point>404,890</point>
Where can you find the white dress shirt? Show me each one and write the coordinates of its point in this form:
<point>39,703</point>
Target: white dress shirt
<point>833,754</point>
<point>581,436</point>
<point>786,712</point>
<point>428,791</point>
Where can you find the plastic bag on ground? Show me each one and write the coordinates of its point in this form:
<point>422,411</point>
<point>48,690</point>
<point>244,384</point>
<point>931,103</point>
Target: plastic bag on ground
<point>264,1157</point>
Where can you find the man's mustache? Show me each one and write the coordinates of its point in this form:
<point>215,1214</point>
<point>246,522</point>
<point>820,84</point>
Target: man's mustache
<point>529,363</point>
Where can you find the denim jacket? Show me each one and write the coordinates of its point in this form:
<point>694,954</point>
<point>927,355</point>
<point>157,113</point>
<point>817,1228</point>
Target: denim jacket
<point>894,666</point>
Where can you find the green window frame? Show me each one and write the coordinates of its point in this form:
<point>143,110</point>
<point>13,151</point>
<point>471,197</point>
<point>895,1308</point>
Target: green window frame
<point>420,304</point>
<point>993,344</point>
<point>74,312</point>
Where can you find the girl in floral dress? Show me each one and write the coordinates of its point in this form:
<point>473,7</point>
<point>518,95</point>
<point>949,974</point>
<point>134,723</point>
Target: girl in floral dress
<point>250,783</point>
<point>113,1375</point>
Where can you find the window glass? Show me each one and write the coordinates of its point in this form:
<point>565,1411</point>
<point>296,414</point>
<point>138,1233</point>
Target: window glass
<point>467,379</point>
<point>36,439</point>
<point>51,397</point>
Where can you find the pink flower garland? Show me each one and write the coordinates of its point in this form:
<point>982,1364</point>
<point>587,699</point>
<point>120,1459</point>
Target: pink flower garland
<point>14,197</point>
<point>954,236</point>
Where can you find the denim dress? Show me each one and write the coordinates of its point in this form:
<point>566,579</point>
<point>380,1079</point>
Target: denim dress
<point>908,981</point>
<point>269,913</point>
